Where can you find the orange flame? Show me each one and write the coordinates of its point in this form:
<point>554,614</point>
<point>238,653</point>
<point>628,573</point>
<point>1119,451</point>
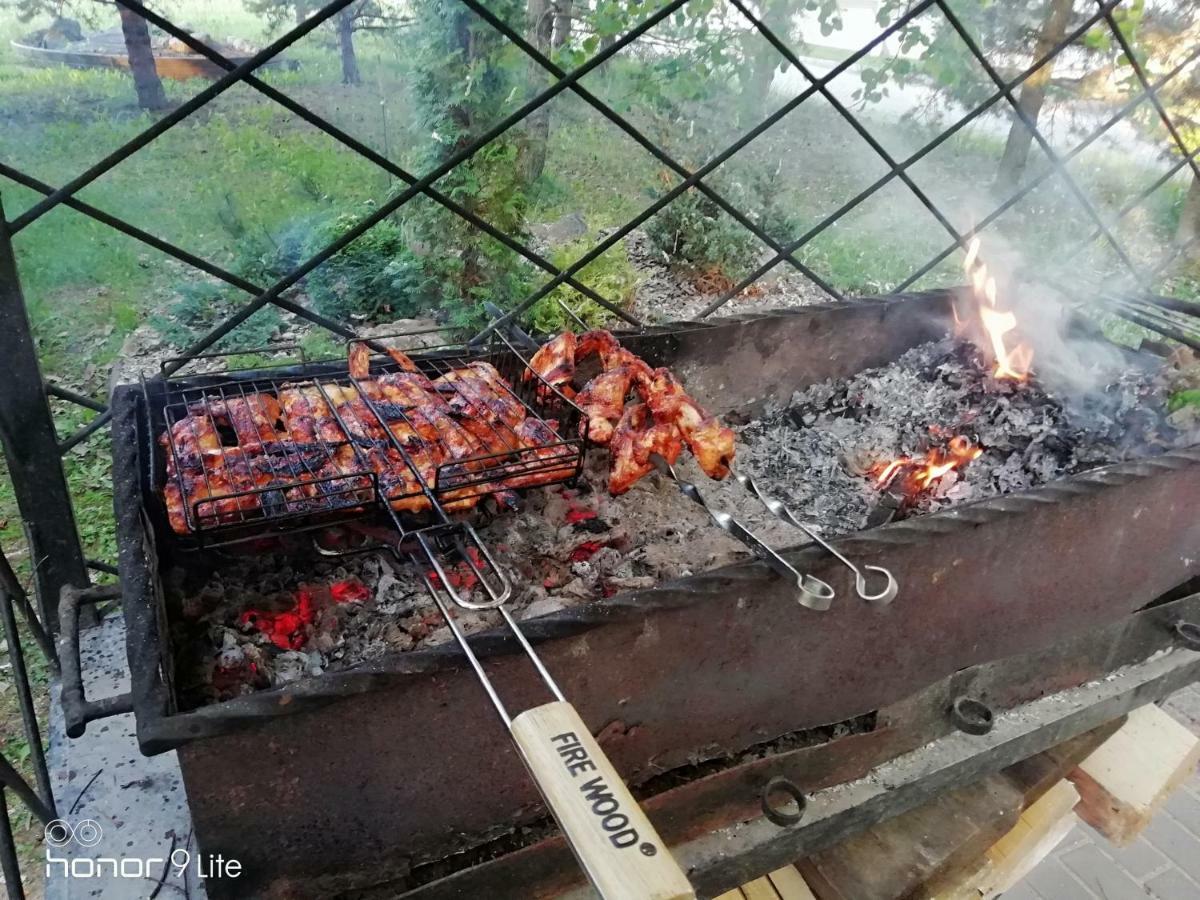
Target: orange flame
<point>1011,364</point>
<point>922,473</point>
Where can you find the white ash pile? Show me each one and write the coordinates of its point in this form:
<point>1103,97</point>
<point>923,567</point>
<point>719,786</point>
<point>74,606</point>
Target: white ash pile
<point>826,455</point>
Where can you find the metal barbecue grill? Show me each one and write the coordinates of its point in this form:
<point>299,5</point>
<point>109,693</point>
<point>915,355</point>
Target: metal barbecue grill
<point>618,847</point>
<point>306,485</point>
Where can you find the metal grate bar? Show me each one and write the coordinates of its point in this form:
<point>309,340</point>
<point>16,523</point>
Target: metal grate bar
<point>704,170</point>
<point>62,393</point>
<point>645,143</point>
<point>1033,183</point>
<point>1028,122</point>
<point>177,115</point>
<point>378,159</point>
<point>851,119</point>
<point>171,250</point>
<point>429,178</point>
<point>1140,71</point>
<point>907,163</point>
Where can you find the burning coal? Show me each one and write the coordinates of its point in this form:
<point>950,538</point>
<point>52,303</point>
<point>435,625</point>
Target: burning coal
<point>916,475</point>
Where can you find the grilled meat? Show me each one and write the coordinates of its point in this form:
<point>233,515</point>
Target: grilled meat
<point>603,399</point>
<point>309,418</point>
<point>254,418</point>
<point>360,361</point>
<point>710,442</point>
<point>402,359</point>
<point>555,361</point>
<point>636,436</point>
<point>327,445</point>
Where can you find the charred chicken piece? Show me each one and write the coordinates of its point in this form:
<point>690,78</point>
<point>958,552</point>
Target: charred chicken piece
<point>191,437</point>
<point>710,442</point>
<point>546,459</point>
<point>636,436</point>
<point>555,361</point>
<point>603,400</point>
<point>360,361</point>
<point>402,359</point>
<point>254,418</point>
<point>307,416</point>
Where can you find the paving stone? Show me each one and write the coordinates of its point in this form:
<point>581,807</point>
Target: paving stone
<point>1101,875</point>
<point>1052,881</point>
<point>1139,859</point>
<point>1180,845</point>
<point>1171,885</point>
<point>1184,807</point>
<point>1079,836</point>
<point>1023,891</point>
<point>1185,705</point>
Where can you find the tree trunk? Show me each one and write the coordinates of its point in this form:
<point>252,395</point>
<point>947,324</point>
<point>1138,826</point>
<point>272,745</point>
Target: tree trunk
<point>763,60</point>
<point>1032,96</point>
<point>540,27</point>
<point>345,33</point>
<point>1188,233</point>
<point>149,88</point>
<point>563,11</point>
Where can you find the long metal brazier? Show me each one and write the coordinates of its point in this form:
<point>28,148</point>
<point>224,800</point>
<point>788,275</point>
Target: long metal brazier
<point>355,778</point>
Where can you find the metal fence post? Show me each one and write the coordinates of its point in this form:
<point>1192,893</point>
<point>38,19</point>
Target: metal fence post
<point>31,449</point>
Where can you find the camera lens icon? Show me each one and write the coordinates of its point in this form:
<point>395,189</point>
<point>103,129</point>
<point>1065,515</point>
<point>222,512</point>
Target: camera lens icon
<point>87,833</point>
<point>59,833</point>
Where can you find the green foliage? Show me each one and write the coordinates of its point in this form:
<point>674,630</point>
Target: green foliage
<point>468,77</point>
<point>611,275</point>
<point>199,307</point>
<point>361,281</point>
<point>693,231</point>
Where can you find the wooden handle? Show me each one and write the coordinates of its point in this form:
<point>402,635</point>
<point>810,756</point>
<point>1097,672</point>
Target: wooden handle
<point>614,841</point>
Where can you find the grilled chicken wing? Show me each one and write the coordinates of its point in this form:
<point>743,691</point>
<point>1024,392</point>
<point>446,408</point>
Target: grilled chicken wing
<point>307,416</point>
<point>254,418</point>
<point>359,361</point>
<point>603,399</point>
<point>400,358</point>
<point>555,361</point>
<point>709,441</point>
<point>636,436</point>
<point>189,439</point>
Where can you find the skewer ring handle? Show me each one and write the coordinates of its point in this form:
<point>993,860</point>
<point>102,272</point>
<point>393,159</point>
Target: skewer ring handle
<point>884,597</point>
<point>815,593</point>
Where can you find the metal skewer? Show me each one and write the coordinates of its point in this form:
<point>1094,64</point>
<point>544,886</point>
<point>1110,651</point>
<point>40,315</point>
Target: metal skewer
<point>882,598</point>
<point>619,850</point>
<point>814,593</point>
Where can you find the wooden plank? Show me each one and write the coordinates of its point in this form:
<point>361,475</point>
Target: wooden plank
<point>790,884</point>
<point>759,889</point>
<point>1041,827</point>
<point>735,894</point>
<point>1124,781</point>
<point>897,856</point>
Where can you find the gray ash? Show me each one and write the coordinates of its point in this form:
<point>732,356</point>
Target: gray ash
<point>820,453</point>
<point>240,625</point>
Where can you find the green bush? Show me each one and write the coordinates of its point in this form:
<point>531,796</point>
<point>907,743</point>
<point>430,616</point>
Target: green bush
<point>365,279</point>
<point>693,232</point>
<point>198,308</point>
<point>611,276</point>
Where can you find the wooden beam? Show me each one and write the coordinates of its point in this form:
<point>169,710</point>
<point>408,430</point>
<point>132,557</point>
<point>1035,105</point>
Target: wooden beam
<point>790,884</point>
<point>1127,778</point>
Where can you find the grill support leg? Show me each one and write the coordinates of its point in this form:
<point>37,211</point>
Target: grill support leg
<point>31,449</point>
